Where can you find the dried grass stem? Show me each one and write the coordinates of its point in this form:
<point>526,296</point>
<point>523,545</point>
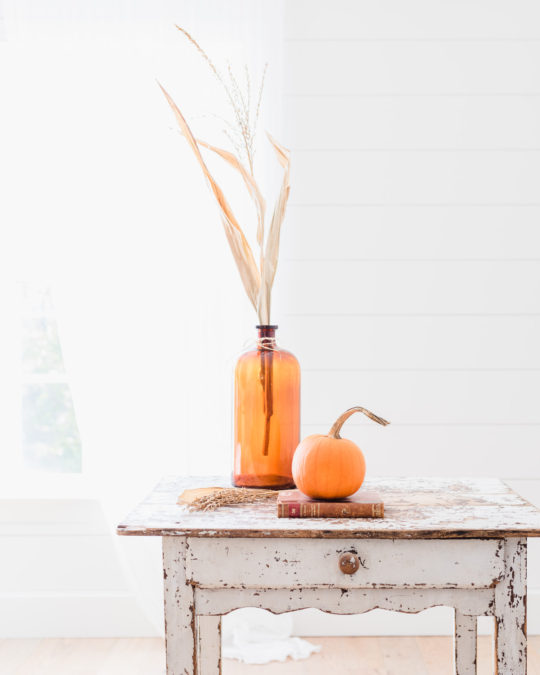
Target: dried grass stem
<point>257,280</point>
<point>231,497</point>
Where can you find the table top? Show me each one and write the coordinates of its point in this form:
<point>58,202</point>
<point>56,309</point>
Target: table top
<point>435,508</point>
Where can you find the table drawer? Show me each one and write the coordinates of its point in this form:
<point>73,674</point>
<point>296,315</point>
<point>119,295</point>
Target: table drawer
<point>343,563</point>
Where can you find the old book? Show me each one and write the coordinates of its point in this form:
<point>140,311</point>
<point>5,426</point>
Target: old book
<point>362,504</point>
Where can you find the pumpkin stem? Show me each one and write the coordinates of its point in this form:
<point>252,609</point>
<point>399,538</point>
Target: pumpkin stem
<point>336,427</point>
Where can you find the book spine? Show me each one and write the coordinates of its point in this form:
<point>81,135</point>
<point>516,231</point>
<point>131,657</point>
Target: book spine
<point>321,510</point>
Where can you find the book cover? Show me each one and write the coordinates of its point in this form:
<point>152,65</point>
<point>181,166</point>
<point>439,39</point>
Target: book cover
<point>362,504</point>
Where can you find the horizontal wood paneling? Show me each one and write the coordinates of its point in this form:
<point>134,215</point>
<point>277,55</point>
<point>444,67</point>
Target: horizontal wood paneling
<point>419,19</point>
<point>430,398</point>
<point>42,517</point>
<point>410,287</point>
<point>336,68</point>
<point>415,177</point>
<point>415,131</point>
<point>415,232</point>
<point>73,615</point>
<point>403,449</point>
<point>412,122</point>
<point>66,564</point>
<point>348,343</point>
<point>409,277</point>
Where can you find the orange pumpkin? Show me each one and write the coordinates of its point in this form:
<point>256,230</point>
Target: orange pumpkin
<point>331,467</point>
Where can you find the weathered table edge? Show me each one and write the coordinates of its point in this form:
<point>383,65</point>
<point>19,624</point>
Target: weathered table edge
<point>126,531</point>
<point>509,530</point>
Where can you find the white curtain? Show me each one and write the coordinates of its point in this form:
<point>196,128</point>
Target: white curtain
<point>103,200</point>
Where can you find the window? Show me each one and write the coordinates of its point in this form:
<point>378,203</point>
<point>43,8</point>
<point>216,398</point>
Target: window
<point>101,196</point>
<point>49,438</point>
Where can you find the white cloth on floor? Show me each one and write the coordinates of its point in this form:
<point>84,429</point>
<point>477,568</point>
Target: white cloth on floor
<point>256,636</point>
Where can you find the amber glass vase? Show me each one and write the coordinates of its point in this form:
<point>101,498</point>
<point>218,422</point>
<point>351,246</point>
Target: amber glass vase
<point>266,414</point>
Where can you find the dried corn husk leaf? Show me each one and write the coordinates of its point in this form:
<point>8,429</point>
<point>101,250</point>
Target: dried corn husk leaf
<point>240,248</point>
<point>271,254</point>
<point>249,181</point>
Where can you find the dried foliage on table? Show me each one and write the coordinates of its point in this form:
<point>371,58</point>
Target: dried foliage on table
<point>212,498</point>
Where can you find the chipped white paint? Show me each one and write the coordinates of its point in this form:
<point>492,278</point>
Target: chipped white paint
<point>459,543</point>
<point>209,642</point>
<point>510,611</point>
<point>180,617</point>
<point>343,601</point>
<point>465,628</point>
<point>288,563</point>
<point>424,508</point>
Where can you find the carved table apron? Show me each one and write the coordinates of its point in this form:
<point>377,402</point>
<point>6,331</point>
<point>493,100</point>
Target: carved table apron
<point>459,543</point>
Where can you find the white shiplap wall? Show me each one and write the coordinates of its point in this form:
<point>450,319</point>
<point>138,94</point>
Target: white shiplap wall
<point>410,276</point>
<point>409,282</point>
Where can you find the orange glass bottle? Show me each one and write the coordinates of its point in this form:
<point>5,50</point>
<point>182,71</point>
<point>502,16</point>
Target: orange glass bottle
<point>266,414</point>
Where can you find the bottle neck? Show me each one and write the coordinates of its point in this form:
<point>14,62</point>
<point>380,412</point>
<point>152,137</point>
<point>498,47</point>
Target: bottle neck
<point>266,337</point>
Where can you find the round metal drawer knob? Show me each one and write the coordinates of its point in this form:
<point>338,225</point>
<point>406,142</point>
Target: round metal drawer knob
<point>349,563</point>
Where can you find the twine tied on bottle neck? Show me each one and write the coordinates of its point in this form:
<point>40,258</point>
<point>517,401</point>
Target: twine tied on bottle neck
<point>266,344</point>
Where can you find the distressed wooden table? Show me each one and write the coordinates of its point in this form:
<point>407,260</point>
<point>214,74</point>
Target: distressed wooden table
<point>460,543</point>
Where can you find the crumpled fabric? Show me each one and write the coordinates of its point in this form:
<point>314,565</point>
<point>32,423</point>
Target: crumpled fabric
<point>255,636</point>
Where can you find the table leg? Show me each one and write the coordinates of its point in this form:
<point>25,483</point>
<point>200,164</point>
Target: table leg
<point>510,611</point>
<point>464,644</point>
<point>209,638</point>
<point>180,623</point>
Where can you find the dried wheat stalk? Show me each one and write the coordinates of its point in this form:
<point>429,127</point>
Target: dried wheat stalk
<point>210,499</point>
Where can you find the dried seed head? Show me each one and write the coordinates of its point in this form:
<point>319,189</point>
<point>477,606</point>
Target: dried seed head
<point>231,497</point>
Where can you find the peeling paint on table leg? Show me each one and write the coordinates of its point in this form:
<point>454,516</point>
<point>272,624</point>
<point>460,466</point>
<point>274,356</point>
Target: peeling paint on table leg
<point>464,644</point>
<point>209,638</point>
<point>510,611</point>
<point>180,618</point>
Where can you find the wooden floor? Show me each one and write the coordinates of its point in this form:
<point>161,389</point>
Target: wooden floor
<point>348,656</point>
